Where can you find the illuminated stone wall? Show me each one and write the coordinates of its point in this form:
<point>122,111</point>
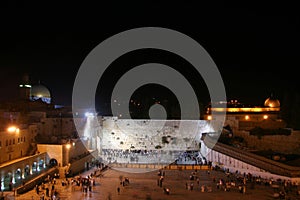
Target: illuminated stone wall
<point>233,165</point>
<point>53,150</point>
<point>147,134</point>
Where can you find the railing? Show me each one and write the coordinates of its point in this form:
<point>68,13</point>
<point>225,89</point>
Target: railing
<point>19,161</point>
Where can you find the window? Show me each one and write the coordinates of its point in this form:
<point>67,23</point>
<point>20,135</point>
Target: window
<point>24,139</point>
<point>0,144</point>
<point>10,142</point>
<point>6,142</point>
<point>14,141</point>
<point>18,140</point>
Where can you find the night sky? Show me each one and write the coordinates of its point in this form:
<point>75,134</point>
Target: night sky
<point>255,48</point>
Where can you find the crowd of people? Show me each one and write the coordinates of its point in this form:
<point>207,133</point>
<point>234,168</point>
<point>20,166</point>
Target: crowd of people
<point>138,156</point>
<point>47,190</point>
<point>191,157</point>
<point>241,182</point>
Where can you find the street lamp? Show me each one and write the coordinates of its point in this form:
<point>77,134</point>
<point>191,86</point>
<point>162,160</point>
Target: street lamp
<point>68,146</point>
<point>13,129</point>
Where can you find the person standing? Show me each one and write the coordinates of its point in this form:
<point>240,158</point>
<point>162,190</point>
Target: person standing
<point>37,189</point>
<point>47,191</point>
<point>109,196</point>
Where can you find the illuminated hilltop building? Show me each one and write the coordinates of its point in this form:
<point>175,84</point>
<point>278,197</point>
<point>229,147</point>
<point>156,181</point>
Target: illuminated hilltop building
<point>34,92</point>
<point>244,117</point>
<point>40,91</point>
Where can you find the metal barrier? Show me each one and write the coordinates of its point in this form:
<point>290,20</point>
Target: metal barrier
<point>160,166</point>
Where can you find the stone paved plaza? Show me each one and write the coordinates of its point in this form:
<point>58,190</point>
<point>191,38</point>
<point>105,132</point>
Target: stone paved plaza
<point>145,186</point>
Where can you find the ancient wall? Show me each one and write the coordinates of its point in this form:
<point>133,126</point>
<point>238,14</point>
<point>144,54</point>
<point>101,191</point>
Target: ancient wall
<point>147,134</point>
<point>281,143</point>
<point>77,150</point>
<point>235,165</point>
<point>53,150</point>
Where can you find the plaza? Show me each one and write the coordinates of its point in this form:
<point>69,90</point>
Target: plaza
<point>179,182</point>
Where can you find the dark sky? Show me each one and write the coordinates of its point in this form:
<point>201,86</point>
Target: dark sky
<point>256,48</point>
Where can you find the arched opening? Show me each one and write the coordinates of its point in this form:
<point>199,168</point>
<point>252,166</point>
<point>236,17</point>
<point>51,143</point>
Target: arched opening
<point>53,162</point>
<point>26,171</point>
<point>7,182</point>
<point>34,166</point>
<point>18,174</point>
<point>41,164</point>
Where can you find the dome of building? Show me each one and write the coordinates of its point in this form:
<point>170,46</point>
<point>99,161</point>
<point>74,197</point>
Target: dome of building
<point>272,102</point>
<point>40,91</point>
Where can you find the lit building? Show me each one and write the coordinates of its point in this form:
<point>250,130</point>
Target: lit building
<point>245,117</point>
<point>35,135</point>
<point>15,141</point>
<point>33,92</point>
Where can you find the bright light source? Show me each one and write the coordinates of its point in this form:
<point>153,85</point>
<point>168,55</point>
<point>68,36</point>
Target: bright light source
<point>209,117</point>
<point>13,129</point>
<point>266,116</point>
<point>68,146</point>
<point>270,105</point>
<point>88,114</point>
<point>247,117</point>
